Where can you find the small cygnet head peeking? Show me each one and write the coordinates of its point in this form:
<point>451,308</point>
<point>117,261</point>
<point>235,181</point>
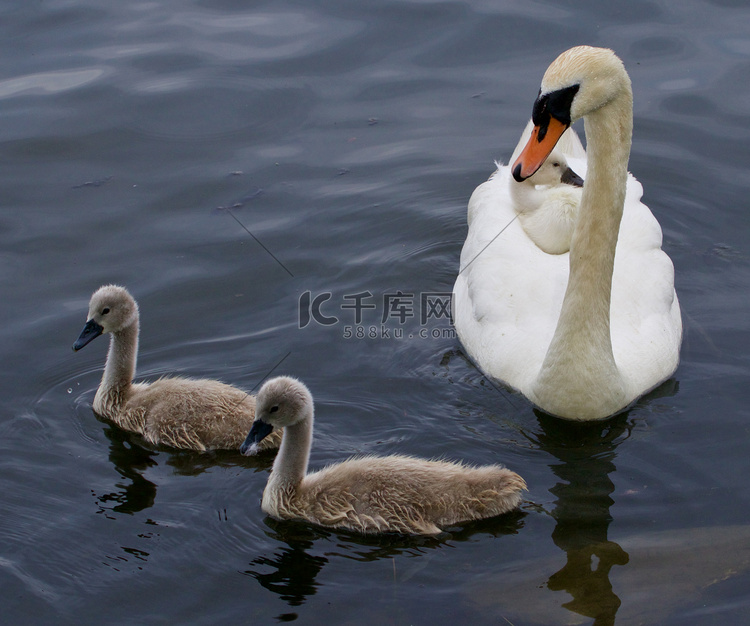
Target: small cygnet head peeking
<point>554,171</point>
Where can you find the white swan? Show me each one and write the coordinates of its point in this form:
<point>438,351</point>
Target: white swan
<point>368,494</point>
<point>583,334</point>
<point>547,203</point>
<point>195,414</point>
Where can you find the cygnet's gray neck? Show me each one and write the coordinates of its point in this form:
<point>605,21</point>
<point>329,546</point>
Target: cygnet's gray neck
<point>292,459</point>
<point>121,359</point>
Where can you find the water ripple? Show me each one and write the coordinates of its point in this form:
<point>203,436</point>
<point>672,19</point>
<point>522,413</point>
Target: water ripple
<point>46,83</point>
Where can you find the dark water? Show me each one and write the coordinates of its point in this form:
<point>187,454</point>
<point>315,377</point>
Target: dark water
<point>225,160</point>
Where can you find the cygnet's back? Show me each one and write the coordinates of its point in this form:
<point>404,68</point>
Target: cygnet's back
<point>189,413</point>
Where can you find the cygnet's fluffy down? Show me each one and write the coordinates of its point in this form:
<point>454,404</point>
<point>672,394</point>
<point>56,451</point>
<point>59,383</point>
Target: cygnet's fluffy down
<point>194,414</point>
<point>369,494</point>
<point>547,203</point>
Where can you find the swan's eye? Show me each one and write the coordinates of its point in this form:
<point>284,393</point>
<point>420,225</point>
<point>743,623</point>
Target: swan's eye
<point>105,310</point>
<point>273,409</point>
<point>555,164</point>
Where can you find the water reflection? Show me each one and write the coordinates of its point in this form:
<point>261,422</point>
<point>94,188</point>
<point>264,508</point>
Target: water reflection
<point>294,569</point>
<point>130,460</point>
<point>131,456</point>
<point>586,453</point>
<point>193,463</point>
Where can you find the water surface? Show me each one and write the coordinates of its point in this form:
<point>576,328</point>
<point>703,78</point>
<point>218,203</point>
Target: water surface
<point>228,160</point>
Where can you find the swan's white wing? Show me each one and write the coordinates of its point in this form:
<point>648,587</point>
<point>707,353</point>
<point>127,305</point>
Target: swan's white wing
<point>646,326</point>
<point>508,294</point>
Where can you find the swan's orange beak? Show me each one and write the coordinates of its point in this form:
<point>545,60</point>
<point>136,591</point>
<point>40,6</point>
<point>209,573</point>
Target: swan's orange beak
<point>537,150</point>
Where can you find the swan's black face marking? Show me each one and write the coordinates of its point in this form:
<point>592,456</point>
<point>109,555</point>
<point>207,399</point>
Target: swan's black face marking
<point>569,177</point>
<point>554,104</point>
<point>258,432</point>
<point>90,332</point>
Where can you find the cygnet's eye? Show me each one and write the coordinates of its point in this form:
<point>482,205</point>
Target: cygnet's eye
<point>105,310</point>
<point>274,408</point>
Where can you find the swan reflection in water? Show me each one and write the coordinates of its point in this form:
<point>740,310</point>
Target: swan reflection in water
<point>582,457</point>
<point>586,454</point>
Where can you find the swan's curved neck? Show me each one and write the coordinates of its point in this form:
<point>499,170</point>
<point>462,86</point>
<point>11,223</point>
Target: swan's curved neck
<point>579,373</point>
<point>290,465</point>
<point>121,359</point>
